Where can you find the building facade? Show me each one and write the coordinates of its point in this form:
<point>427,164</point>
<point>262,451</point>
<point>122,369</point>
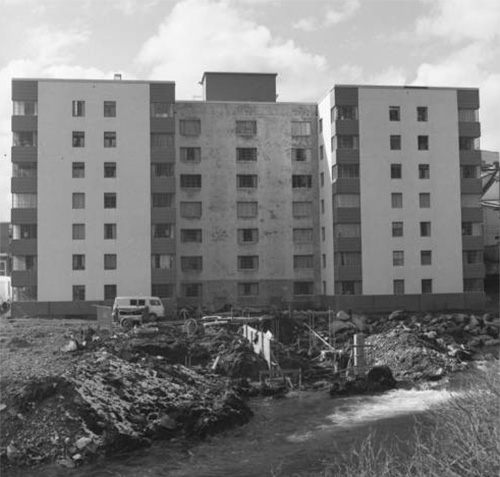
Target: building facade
<point>368,199</point>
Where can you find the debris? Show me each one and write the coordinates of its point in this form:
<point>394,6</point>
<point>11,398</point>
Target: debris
<point>3,407</point>
<point>83,442</point>
<point>71,346</point>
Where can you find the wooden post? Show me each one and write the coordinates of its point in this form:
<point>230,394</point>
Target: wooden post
<point>359,354</point>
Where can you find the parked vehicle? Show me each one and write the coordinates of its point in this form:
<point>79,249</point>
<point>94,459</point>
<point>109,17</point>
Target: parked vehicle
<point>137,305</point>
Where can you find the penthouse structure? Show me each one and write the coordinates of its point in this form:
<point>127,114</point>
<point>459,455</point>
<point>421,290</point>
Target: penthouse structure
<point>369,199</point>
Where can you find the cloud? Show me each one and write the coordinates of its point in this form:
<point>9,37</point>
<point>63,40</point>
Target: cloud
<point>341,10</point>
<point>186,45</point>
<point>306,24</point>
<point>455,20</point>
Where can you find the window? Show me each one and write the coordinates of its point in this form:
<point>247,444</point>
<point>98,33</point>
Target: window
<point>472,229</point>
<point>161,140</point>
<point>425,229</point>
<point>24,231</point>
<point>426,257</point>
<point>468,115</point>
<point>323,260</point>
<point>347,230</point>
<point>162,231</point>
<point>190,127</point>
<point>189,264</point>
<point>469,172</point>
<point>25,108</point>
<point>348,259</point>
<point>424,200</point>
<point>302,235</point>
<point>470,200</point>
<point>109,292</point>
<point>162,261</point>
<point>395,142</point>
<point>301,154</point>
<point>191,210</point>
<point>190,181</point>
<point>423,143</point>
<point>109,231</point>
<point>246,181</point>
<point>398,287</point>
<point>24,201</point>
<point>110,200</point>
<point>397,200</point>
<point>421,113</point>
<point>24,138</point>
<point>161,110</point>
<point>471,257</point>
<point>78,200</point>
<point>423,171</point>
<point>191,235</point>
<point>246,210</point>
<point>109,170</point>
<point>78,138</point>
<point>248,262</point>
<point>346,200</point>
<point>303,288</point>
<point>303,261</point>
<point>321,152</point>
<point>110,261</point>
<point>323,234</point>
<point>246,128</point>
<point>398,258</point>
<point>162,290</point>
<point>301,128</point>
<point>320,125</point>
<point>109,139</point>
<point>396,171</point>
<point>109,109</point>
<point>397,229</point>
<point>78,231</point>
<point>78,292</point>
<point>246,154</point>
<point>322,205</point>
<point>468,143</point>
<point>394,113</point>
<point>426,285</point>
<point>345,113</point>
<point>78,108</point>
<point>24,169</point>
<point>301,209</point>
<point>345,142</point>
<point>78,262</point>
<point>192,290</point>
<point>301,181</point>
<point>348,171</point>
<point>24,293</point>
<point>322,179</point>
<point>248,235</point>
<point>473,285</point>
<point>26,263</point>
<point>162,199</point>
<point>348,287</point>
<point>162,169</point>
<point>248,289</point>
<point>190,154</point>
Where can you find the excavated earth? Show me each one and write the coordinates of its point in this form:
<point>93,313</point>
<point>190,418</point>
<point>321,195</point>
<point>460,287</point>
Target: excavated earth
<point>72,393</point>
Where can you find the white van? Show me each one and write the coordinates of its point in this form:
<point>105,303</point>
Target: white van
<point>136,303</point>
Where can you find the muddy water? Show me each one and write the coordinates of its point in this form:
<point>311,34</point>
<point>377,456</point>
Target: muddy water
<point>296,434</point>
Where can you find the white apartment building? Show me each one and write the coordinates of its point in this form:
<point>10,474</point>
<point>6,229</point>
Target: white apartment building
<point>369,199</point>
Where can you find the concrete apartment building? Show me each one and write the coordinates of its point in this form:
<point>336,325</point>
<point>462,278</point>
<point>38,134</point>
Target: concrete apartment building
<point>369,199</point>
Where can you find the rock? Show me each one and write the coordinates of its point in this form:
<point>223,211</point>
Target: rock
<point>473,322</point>
<point>71,346</point>
<point>432,335</point>
<point>459,318</point>
<point>77,457</point>
<point>398,315</point>
<point>381,375</point>
<point>83,442</point>
<point>67,462</point>
<point>342,315</point>
<point>168,423</point>
<point>13,453</point>
<point>3,407</point>
<point>491,342</point>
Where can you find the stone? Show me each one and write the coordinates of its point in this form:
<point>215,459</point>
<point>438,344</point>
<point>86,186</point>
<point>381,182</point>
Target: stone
<point>473,322</point>
<point>432,335</point>
<point>13,453</point>
<point>3,407</point>
<point>342,315</point>
<point>460,318</point>
<point>398,315</point>
<point>83,442</point>
<point>66,462</point>
<point>491,342</point>
<point>168,423</point>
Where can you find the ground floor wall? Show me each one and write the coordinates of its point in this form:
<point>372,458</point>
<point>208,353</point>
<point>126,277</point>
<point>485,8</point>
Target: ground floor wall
<point>356,303</point>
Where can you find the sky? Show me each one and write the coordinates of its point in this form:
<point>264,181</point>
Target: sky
<point>311,44</point>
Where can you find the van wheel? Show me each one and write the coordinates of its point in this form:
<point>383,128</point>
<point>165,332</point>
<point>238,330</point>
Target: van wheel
<point>126,324</point>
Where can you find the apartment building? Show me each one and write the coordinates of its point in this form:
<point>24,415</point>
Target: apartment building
<point>368,199</point>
